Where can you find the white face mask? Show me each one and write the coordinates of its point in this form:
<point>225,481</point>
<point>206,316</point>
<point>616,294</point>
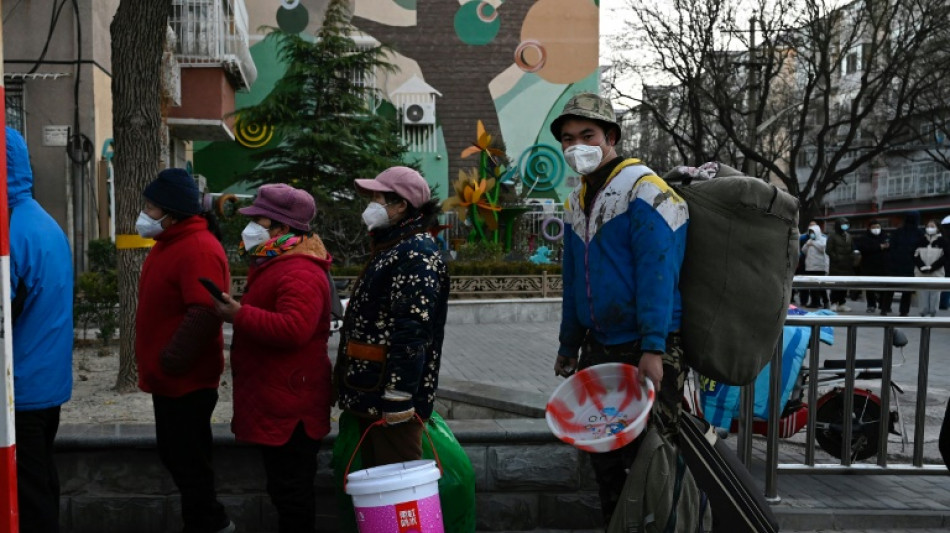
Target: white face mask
<point>148,227</point>
<point>254,235</point>
<point>876,231</point>
<point>931,230</point>
<point>375,216</point>
<point>583,158</point>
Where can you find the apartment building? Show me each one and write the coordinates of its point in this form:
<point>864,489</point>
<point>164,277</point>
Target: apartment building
<point>909,175</point>
<point>57,74</point>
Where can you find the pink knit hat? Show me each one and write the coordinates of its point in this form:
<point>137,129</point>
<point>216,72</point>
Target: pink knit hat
<point>404,181</point>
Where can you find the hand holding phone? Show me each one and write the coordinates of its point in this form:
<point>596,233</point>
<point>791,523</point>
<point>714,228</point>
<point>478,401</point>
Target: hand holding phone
<point>213,289</point>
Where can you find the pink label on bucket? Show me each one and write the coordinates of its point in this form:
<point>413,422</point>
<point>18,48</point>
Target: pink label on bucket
<point>418,516</point>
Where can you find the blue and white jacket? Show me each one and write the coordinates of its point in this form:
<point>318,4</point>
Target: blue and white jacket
<point>622,264</point>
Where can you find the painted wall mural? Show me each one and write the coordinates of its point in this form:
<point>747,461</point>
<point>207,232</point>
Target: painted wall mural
<point>511,64</point>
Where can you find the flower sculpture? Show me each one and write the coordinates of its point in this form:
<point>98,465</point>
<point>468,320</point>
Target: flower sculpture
<point>482,145</point>
<point>471,198</point>
<point>476,193</point>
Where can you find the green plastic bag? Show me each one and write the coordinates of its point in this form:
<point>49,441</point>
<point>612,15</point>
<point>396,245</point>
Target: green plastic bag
<point>456,486</point>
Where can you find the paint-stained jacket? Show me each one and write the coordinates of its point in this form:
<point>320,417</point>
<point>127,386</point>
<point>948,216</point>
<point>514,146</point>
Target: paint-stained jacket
<point>622,264</point>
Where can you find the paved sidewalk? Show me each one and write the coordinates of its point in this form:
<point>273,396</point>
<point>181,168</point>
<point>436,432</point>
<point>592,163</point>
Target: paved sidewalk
<point>521,356</point>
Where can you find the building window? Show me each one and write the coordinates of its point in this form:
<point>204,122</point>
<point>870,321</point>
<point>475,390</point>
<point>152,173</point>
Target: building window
<point>364,81</point>
<point>851,63</point>
<point>16,111</point>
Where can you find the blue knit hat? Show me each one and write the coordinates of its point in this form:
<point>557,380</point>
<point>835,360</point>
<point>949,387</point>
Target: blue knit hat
<point>174,190</point>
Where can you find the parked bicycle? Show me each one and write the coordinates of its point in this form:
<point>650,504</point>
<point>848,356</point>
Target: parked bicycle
<point>830,416</point>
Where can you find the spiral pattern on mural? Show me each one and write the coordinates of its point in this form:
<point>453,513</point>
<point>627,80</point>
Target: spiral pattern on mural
<point>542,167</point>
<point>252,134</point>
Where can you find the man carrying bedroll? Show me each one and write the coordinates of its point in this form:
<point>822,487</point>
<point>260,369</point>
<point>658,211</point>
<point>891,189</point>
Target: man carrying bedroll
<point>624,239</point>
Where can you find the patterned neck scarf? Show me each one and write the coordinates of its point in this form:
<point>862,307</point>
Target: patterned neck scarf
<point>273,247</point>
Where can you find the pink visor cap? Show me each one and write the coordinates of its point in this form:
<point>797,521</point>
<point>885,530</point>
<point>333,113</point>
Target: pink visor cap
<point>404,181</point>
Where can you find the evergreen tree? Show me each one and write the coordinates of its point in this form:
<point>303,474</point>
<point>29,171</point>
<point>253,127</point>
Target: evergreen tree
<point>329,126</point>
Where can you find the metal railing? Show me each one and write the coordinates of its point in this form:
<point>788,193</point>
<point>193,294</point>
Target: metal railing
<point>543,285</point>
<point>851,323</point>
<point>914,180</point>
<point>214,32</point>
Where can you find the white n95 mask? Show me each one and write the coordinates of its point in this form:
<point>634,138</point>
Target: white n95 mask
<point>254,235</point>
<point>147,227</point>
<point>375,216</point>
<point>583,159</point>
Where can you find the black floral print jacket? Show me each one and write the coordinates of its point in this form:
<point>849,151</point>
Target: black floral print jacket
<point>391,339</point>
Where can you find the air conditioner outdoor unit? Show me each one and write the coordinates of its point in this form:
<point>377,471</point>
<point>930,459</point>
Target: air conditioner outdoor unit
<point>418,114</point>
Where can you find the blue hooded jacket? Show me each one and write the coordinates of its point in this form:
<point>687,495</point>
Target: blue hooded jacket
<point>40,268</point>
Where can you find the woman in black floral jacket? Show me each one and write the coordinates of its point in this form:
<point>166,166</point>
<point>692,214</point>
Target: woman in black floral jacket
<point>390,345</point>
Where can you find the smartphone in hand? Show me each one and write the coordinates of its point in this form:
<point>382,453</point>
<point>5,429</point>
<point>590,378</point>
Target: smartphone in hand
<point>213,289</point>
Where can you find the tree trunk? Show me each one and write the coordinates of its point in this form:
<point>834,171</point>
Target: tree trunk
<point>138,39</point>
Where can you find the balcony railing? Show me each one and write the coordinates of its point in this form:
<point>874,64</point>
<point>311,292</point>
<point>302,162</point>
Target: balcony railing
<point>914,180</point>
<point>214,32</point>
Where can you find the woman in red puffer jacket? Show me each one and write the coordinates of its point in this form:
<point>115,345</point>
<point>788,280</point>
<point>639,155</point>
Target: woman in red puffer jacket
<point>279,352</point>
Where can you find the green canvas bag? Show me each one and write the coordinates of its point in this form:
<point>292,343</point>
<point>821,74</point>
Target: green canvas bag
<point>736,280</point>
<point>660,495</point>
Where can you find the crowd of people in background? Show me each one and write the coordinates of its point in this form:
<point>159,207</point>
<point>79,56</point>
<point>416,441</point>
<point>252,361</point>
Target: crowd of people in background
<point>908,251</point>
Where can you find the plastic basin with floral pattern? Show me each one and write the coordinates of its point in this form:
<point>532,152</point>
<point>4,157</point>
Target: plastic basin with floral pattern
<point>601,408</point>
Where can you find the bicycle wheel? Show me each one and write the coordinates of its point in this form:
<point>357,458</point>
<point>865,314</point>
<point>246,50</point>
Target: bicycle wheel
<point>864,424</point>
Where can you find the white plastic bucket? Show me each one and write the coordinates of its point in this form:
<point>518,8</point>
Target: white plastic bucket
<point>397,498</point>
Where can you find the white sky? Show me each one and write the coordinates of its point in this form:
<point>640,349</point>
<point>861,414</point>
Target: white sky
<point>613,14</point>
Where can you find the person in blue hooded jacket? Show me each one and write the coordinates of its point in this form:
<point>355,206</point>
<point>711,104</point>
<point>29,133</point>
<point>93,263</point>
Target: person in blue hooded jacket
<point>41,283</point>
<point>624,241</point>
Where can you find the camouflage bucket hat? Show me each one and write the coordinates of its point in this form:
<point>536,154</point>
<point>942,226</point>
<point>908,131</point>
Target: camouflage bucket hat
<point>589,106</point>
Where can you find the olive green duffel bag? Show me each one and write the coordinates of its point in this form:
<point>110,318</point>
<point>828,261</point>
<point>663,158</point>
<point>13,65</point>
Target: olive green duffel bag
<point>736,281</point>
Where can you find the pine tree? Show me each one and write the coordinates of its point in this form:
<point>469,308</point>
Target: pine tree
<point>329,128</point>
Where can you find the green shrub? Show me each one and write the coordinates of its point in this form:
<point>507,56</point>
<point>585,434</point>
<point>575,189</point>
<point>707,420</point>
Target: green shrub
<point>97,291</point>
<point>480,251</point>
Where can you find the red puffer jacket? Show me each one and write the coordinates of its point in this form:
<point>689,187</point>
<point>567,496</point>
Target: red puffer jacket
<point>279,352</point>
<point>169,285</point>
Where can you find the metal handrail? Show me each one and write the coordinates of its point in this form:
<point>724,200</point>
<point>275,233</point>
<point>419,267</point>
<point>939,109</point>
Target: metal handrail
<point>852,323</point>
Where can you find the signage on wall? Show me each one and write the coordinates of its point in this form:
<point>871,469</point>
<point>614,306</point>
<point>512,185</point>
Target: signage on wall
<point>55,135</point>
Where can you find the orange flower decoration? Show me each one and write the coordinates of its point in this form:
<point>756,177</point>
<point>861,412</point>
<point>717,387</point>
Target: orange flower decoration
<point>470,192</point>
<point>482,145</point>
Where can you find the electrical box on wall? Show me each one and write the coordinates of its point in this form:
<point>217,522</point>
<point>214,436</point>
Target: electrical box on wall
<point>418,114</point>
<point>55,135</point>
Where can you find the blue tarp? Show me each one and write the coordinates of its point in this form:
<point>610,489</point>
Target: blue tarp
<point>720,402</point>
